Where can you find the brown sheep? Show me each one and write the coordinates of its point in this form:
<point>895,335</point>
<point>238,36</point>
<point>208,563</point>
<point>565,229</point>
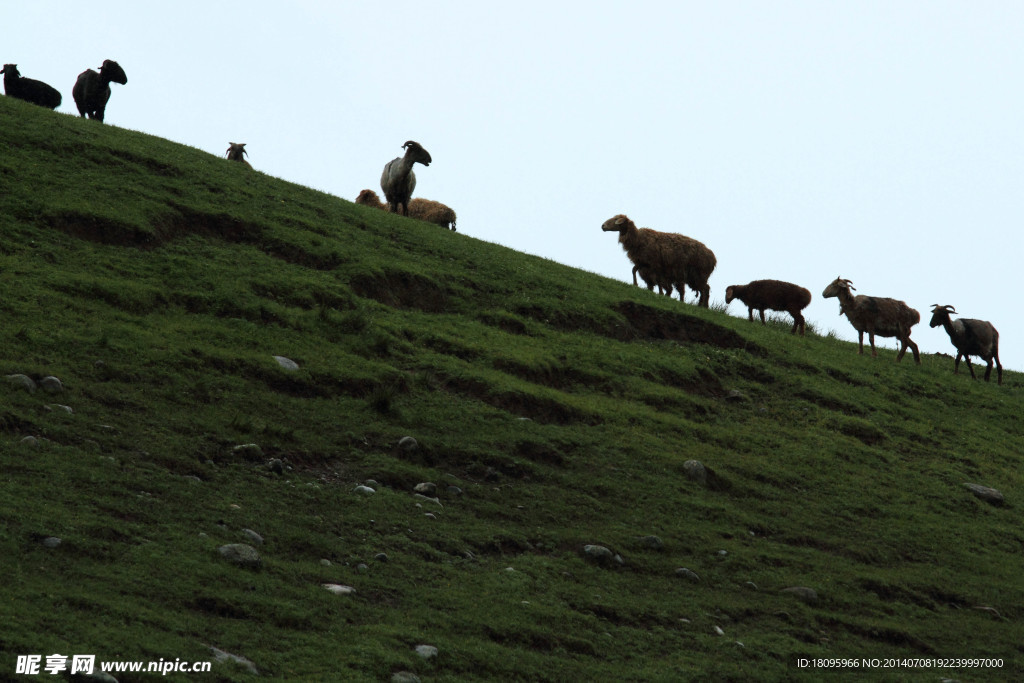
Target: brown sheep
<point>971,338</point>
<point>876,315</point>
<point>236,152</point>
<point>421,209</point>
<point>775,295</point>
<point>668,257</point>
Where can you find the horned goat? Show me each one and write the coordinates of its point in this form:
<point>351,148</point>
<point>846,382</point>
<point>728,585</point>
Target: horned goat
<point>971,338</point>
<point>420,209</point>
<point>775,295</point>
<point>668,257</point>
<point>398,181</point>
<point>236,152</point>
<point>876,315</point>
<point>29,89</point>
<point>92,89</point>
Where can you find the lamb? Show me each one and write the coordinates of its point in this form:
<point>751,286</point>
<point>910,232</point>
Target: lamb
<point>92,90</point>
<point>775,295</point>
<point>420,209</point>
<point>668,258</point>
<point>650,278</point>
<point>876,315</point>
<point>971,338</point>
<point>29,89</point>
<point>236,152</point>
<point>398,181</point>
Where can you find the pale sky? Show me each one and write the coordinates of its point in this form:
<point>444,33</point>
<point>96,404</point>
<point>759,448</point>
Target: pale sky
<point>800,140</point>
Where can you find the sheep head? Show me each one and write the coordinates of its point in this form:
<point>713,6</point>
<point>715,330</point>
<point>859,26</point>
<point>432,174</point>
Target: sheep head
<point>730,294</point>
<point>236,151</point>
<point>618,224</point>
<point>940,315</point>
<point>836,286</point>
<point>11,69</point>
<point>415,151</point>
<point>112,71</point>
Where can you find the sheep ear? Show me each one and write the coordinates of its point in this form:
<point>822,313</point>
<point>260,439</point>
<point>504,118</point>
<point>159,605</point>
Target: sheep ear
<point>620,220</point>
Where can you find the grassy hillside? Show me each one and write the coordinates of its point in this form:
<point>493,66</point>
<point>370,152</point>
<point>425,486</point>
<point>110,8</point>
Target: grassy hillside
<point>158,283</point>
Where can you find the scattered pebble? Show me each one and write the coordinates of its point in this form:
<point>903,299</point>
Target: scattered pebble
<point>426,651</point>
<point>51,542</point>
<point>427,488</point>
<point>325,562</point>
<point>986,493</point>
<point>252,536</point>
<point>404,677</point>
<point>407,443</point>
<point>339,589</point>
<point>286,363</point>
<point>381,557</point>
<point>364,490</point>
<point>241,554</point>
<point>51,385</point>
<point>695,470</point>
<point>651,542</point>
<point>601,555</point>
<point>22,382</point>
<point>221,656</point>
<point>685,573</point>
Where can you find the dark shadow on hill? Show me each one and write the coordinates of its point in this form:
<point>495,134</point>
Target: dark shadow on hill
<point>401,289</point>
<point>656,324</point>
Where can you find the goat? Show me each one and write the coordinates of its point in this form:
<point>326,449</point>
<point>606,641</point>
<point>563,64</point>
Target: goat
<point>236,152</point>
<point>92,90</point>
<point>398,181</point>
<point>971,338</point>
<point>29,89</point>
<point>667,257</point>
<point>876,315</point>
<point>421,209</point>
<point>775,295</point>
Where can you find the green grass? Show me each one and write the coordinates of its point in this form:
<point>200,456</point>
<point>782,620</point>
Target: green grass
<point>158,282</point>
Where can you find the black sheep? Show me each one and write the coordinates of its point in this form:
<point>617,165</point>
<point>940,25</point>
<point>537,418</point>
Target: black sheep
<point>92,90</point>
<point>28,89</point>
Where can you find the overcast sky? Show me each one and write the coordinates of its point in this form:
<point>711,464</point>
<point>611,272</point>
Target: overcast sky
<point>800,140</point>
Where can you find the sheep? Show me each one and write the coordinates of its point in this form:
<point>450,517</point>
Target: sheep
<point>775,295</point>
<point>420,209</point>
<point>236,152</point>
<point>971,338</point>
<point>398,181</point>
<point>668,258</point>
<point>876,315</point>
<point>29,89</point>
<point>92,90</point>
<point>650,278</point>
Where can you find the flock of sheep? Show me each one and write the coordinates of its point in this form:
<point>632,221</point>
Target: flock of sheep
<point>91,90</point>
<point>669,260</point>
<point>662,259</point>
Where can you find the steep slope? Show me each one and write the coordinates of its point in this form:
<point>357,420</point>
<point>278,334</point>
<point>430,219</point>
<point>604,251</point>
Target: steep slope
<point>553,409</point>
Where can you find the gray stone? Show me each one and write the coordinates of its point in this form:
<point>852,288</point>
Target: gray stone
<point>276,465</point>
<point>407,443</point>
<point>427,488</point>
<point>252,536</point>
<point>22,382</point>
<point>735,396</point>
<point>454,490</point>
<point>651,542</point>
<point>223,657</point>
<point>241,554</point>
<point>404,677</point>
<point>685,573</point>
<point>339,589</point>
<point>247,449</point>
<point>802,592</point>
<point>325,562</point>
<point>286,363</point>
<point>426,651</point>
<point>52,407</point>
<point>364,490</point>
<point>30,441</point>
<point>695,471</point>
<point>51,542</point>
<point>601,555</point>
<point>986,493</point>
<point>51,385</point>
<point>381,557</point>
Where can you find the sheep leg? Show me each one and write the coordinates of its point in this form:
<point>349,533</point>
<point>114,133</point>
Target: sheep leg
<point>798,321</point>
<point>988,369</point>
<point>967,359</point>
<point>750,313</point>
<point>860,340</point>
<point>761,313</point>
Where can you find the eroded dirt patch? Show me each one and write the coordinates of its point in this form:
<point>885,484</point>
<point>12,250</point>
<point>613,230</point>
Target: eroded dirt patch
<point>655,324</point>
<point>401,289</point>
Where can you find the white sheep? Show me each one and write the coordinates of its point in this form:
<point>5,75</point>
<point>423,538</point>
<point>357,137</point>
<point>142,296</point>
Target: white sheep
<point>876,315</point>
<point>398,181</point>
